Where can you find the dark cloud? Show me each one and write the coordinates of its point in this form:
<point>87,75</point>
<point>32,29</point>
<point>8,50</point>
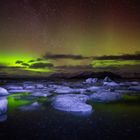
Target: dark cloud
<point>2,66</point>
<point>31,61</point>
<point>39,59</point>
<point>19,62</point>
<point>64,56</point>
<point>22,63</point>
<point>41,65</point>
<point>35,60</point>
<point>25,64</point>
<point>75,67</point>
<point>9,67</point>
<point>33,64</point>
<point>119,57</point>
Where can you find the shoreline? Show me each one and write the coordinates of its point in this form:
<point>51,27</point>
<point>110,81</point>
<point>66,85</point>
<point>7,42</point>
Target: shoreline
<point>68,77</point>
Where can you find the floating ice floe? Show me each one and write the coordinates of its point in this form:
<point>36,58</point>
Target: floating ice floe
<point>124,84</point>
<point>128,84</point>
<point>79,90</point>
<point>91,80</point>
<point>68,90</point>
<point>39,86</point>
<point>31,107</point>
<point>19,91</point>
<point>3,117</point>
<point>54,86</point>
<point>29,87</point>
<point>3,92</point>
<point>14,87</point>
<point>110,84</point>
<point>72,103</point>
<point>135,83</point>
<point>107,79</point>
<point>134,88</point>
<point>105,96</point>
<point>94,88</point>
<point>123,91</point>
<point>3,106</point>
<point>63,90</point>
<point>41,93</point>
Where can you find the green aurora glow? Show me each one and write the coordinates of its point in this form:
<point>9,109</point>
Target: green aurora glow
<point>10,58</point>
<point>114,63</point>
<point>30,29</point>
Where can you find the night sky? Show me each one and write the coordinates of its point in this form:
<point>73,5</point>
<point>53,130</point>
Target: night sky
<point>33,28</point>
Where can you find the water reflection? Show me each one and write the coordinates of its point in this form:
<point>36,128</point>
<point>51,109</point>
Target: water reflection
<point>3,108</point>
<point>3,118</point>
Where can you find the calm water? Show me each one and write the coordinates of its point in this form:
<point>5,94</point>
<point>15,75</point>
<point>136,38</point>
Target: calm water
<point>119,120</point>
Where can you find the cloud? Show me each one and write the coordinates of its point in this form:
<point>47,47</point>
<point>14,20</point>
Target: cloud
<point>35,60</point>
<point>19,62</point>
<point>119,57</point>
<point>64,56</point>
<point>10,67</point>
<point>22,63</point>
<point>41,65</point>
<point>34,63</point>
<point>135,56</point>
<point>39,59</point>
<point>31,61</point>
<point>25,64</point>
<point>2,66</point>
<point>75,67</point>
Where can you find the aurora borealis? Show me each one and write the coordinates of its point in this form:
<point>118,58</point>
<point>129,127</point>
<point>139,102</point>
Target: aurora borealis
<point>32,28</point>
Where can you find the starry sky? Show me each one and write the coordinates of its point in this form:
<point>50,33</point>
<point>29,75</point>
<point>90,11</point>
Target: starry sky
<point>32,28</point>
